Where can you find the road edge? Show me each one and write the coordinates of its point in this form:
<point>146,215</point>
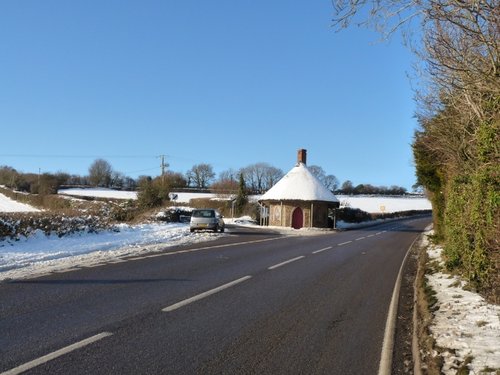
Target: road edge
<point>385,364</point>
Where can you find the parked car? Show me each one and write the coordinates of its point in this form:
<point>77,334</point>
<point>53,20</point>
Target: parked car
<point>207,218</point>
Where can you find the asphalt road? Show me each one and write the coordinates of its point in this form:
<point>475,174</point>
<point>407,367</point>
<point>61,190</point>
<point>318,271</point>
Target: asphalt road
<point>248,303</point>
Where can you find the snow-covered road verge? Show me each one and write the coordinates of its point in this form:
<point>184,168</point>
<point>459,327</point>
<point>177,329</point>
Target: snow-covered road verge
<point>39,253</point>
<point>466,328</point>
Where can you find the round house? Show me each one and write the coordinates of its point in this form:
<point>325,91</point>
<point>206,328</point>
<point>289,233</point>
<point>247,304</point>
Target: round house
<point>299,199</point>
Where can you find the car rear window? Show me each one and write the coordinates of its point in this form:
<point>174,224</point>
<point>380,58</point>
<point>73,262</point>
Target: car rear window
<point>204,213</point>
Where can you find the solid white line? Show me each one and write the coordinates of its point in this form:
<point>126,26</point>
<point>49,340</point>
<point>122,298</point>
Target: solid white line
<point>320,250</point>
<point>344,243</point>
<point>385,364</point>
<point>68,270</point>
<point>177,305</point>
<point>57,353</point>
<point>134,258</point>
<point>118,261</point>
<point>285,262</point>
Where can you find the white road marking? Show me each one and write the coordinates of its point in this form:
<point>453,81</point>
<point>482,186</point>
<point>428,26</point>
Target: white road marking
<point>180,304</point>
<point>154,255</point>
<point>385,364</point>
<point>376,234</point>
<point>118,261</point>
<point>40,361</point>
<point>285,262</point>
<point>68,270</point>
<point>371,235</point>
<point>344,243</point>
<point>321,250</point>
<point>360,238</point>
<point>135,258</point>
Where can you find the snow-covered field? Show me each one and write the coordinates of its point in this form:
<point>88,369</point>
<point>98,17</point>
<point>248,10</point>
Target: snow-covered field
<point>98,193</point>
<point>10,205</point>
<point>465,325</point>
<point>381,204</point>
<point>371,204</point>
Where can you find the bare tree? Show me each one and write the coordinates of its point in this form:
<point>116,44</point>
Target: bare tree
<point>229,174</point>
<point>347,187</point>
<point>200,175</point>
<point>460,47</point>
<point>329,181</point>
<point>100,172</point>
<point>271,176</point>
<point>260,177</point>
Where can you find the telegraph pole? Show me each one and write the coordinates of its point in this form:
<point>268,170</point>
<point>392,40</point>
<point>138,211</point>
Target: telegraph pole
<point>163,167</point>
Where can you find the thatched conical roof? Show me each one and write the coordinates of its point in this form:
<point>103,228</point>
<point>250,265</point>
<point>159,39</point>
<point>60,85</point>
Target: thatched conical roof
<point>299,184</point>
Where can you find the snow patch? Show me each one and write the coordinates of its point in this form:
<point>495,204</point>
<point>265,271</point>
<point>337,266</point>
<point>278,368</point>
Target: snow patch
<point>10,205</point>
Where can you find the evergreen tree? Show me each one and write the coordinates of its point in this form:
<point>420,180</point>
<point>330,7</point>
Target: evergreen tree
<point>241,198</point>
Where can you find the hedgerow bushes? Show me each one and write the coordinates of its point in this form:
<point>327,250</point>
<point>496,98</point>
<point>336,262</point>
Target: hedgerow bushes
<point>471,227</point>
<point>24,224</point>
<point>464,187</point>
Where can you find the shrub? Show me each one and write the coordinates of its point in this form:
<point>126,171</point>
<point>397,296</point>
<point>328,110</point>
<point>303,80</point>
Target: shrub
<point>152,193</point>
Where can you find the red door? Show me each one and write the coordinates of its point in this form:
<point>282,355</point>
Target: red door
<point>297,218</point>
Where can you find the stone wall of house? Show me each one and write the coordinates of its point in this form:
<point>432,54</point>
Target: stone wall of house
<point>281,215</point>
<point>320,215</point>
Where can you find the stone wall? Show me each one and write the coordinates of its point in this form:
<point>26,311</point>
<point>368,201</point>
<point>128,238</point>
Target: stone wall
<point>281,214</point>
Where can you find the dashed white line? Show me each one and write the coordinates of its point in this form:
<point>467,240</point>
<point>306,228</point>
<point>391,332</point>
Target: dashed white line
<point>344,243</point>
<point>185,302</point>
<point>321,250</point>
<point>371,235</point>
<point>285,262</point>
<point>40,361</point>
<point>376,234</point>
<point>360,238</point>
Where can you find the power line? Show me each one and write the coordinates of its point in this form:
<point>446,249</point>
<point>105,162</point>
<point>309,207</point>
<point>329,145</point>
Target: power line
<point>77,156</point>
<point>140,170</point>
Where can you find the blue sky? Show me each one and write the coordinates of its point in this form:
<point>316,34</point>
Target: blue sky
<point>229,83</point>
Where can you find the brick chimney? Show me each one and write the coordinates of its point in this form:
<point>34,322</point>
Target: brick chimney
<point>302,156</point>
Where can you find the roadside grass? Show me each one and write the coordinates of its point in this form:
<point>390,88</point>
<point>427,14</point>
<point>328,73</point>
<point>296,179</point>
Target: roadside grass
<point>426,304</point>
